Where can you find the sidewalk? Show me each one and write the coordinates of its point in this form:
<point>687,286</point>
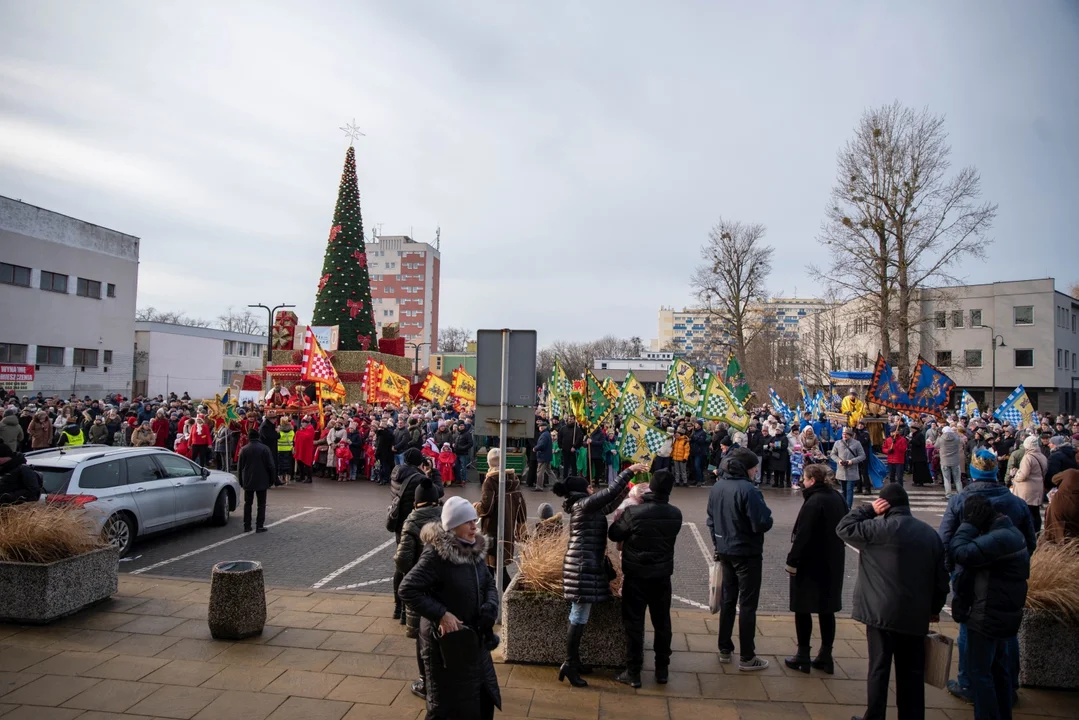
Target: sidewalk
<point>325,656</point>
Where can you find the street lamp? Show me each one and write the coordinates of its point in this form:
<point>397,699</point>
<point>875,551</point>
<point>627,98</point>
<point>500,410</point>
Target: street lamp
<point>993,402</point>
<point>416,370</point>
<point>269,325</point>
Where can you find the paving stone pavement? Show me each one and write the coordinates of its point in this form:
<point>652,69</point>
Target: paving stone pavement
<point>147,653</point>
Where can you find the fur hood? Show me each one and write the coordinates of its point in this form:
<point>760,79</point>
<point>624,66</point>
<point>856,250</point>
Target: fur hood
<point>447,547</point>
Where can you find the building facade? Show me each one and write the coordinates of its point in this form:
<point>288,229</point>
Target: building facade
<point>1035,327</point>
<point>660,361</point>
<point>68,290</point>
<point>405,289</point>
<point>199,361</point>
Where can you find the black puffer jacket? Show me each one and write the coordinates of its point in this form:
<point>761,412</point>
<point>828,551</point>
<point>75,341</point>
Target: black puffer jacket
<point>19,483</point>
<point>648,532</point>
<point>584,577</point>
<point>403,483</point>
<point>991,589</point>
<point>1061,459</point>
<point>409,549</point>
<point>453,577</point>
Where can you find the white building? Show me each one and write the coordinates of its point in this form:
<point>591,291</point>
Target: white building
<point>1037,334</point>
<point>195,360</point>
<point>67,289</point>
<point>649,361</point>
<point>405,289</point>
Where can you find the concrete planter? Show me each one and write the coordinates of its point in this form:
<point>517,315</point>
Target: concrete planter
<point>40,593</point>
<point>1047,652</point>
<point>534,630</point>
<point>237,607</point>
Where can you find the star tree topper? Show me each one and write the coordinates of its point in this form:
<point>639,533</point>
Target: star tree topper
<point>352,132</point>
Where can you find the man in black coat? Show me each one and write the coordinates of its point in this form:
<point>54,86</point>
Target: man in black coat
<point>19,483</point>
<point>268,436</point>
<point>865,485</point>
<point>462,448</point>
<point>902,585</point>
<point>384,452</point>
<point>570,440</point>
<point>258,472</point>
<point>698,453</point>
<point>648,533</point>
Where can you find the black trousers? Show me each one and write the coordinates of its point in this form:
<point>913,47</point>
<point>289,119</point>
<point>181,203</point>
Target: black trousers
<point>654,594</point>
<point>909,654</point>
<point>864,483</point>
<point>803,628</point>
<point>201,455</point>
<point>249,497</point>
<point>740,596</point>
<point>302,472</point>
<point>1036,517</point>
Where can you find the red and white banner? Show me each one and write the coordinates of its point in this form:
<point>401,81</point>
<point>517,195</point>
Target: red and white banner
<point>17,377</point>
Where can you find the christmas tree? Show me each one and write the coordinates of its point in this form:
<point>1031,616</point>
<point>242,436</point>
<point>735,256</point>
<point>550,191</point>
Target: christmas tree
<point>344,288</point>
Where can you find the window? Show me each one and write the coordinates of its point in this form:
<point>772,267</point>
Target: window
<point>603,366</point>
<point>12,353</point>
<point>101,476</point>
<point>50,355</point>
<point>108,357</point>
<point>957,318</point>
<point>88,288</point>
<point>53,282</point>
<point>142,469</point>
<point>177,467</point>
<point>941,319</point>
<point>226,377</point>
<point>85,358</point>
<point>1074,366</point>
<point>1024,358</point>
<point>228,347</point>
<point>972,358</point>
<point>242,349</point>
<point>14,274</point>
<point>1066,361</point>
<point>975,318</point>
<point>110,290</point>
<point>1059,360</point>
<point>1024,315</point>
<point>944,358</point>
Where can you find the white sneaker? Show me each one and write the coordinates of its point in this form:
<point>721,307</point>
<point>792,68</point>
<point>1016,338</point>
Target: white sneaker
<point>756,663</point>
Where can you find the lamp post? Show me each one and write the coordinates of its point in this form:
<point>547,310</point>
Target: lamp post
<point>416,368</point>
<point>993,401</point>
<point>269,325</point>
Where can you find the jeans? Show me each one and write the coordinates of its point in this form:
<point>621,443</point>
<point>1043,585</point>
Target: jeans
<point>579,613</point>
<point>260,517</point>
<point>698,469</point>
<point>459,468</point>
<point>741,594</point>
<point>895,473</point>
<point>353,468</point>
<point>654,594</point>
<point>951,475</point>
<point>909,654</point>
<point>398,459</point>
<point>987,671</point>
<point>848,492</point>
<point>1011,657</point>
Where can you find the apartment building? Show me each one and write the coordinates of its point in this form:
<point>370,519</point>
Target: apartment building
<point>68,290</point>
<point>405,289</point>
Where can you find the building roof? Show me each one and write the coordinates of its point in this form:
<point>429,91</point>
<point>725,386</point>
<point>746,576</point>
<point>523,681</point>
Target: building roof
<point>44,224</point>
<point>203,332</point>
<point>645,376</point>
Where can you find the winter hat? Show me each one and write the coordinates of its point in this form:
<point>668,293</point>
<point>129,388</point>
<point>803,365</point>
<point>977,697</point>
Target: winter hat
<point>456,512</point>
<point>426,492</point>
<point>494,458</point>
<point>661,483</point>
<point>413,457</point>
<point>446,446</point>
<point>1058,440</point>
<point>570,485</point>
<point>983,465</point>
<point>746,458</point>
<point>895,495</point>
<point>545,511</point>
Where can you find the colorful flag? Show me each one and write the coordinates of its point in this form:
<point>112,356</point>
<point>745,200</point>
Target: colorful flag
<point>781,408</point>
<point>393,386</point>
<point>686,383</point>
<point>611,388</point>
<point>720,404</point>
<point>317,368</point>
<point>463,385</point>
<point>560,383</point>
<point>598,404</point>
<point>968,407</point>
<point>640,441</point>
<point>809,402</point>
<point>632,396</point>
<point>670,385</point>
<point>930,390</point>
<point>435,389</point>
<point>736,379</point>
<point>1016,409</point>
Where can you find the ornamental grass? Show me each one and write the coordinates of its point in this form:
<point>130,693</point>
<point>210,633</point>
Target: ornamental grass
<point>1054,581</point>
<point>39,533</point>
<point>539,562</point>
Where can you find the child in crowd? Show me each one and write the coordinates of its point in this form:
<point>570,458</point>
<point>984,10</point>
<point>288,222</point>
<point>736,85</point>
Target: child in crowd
<point>447,458</point>
<point>369,457</point>
<point>344,458</point>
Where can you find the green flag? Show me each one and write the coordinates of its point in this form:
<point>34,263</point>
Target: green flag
<point>598,403</point>
<point>736,379</point>
<point>640,441</point>
<point>720,404</point>
<point>633,396</point>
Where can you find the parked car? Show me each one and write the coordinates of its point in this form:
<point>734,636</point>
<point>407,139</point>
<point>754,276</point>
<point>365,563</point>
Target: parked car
<point>135,491</point>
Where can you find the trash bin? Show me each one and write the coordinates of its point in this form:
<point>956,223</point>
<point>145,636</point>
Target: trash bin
<point>237,600</point>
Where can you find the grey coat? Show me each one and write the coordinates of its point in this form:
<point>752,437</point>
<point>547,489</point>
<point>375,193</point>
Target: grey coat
<point>847,450</point>
<point>949,449</point>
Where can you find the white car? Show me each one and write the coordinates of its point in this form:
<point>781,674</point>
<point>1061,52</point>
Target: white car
<point>135,491</point>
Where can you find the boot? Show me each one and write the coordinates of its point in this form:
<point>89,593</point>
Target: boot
<point>823,661</point>
<point>573,657</point>
<point>661,674</point>
<point>630,677</point>
<point>799,662</point>
<point>397,614</point>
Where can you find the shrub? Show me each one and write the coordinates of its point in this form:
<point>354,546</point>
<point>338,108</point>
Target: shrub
<point>1054,580</point>
<point>539,562</point>
<point>39,533</point>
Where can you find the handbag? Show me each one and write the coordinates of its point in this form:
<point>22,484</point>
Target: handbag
<point>938,659</point>
<point>393,512</point>
<point>459,647</point>
<point>715,586</point>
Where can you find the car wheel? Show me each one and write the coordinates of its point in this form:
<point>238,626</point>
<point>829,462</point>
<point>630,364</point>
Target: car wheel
<point>221,509</point>
<point>119,532</point>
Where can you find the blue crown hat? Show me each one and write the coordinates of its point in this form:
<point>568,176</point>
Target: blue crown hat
<point>983,465</point>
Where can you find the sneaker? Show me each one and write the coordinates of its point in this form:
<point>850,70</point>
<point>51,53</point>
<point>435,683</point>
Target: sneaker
<point>753,664</point>
<point>724,657</point>
<point>419,689</point>
<point>956,690</point>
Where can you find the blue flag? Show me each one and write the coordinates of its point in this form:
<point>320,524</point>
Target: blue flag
<point>781,408</point>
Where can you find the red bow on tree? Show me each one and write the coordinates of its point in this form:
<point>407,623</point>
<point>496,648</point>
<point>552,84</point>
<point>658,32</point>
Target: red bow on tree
<point>354,306</point>
<point>322,281</point>
<point>361,258</point>
<point>333,232</point>
<point>364,341</point>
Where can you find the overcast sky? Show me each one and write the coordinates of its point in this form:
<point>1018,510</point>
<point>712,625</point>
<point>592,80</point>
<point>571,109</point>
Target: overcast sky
<point>575,154</point>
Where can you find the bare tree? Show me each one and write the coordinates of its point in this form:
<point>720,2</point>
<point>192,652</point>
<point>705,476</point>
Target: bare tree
<point>1073,290</point>
<point>576,357</point>
<point>454,339</point>
<point>152,314</point>
<point>899,222</point>
<point>241,322</point>
<point>732,279</point>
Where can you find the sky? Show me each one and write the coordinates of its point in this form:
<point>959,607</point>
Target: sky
<point>574,155</point>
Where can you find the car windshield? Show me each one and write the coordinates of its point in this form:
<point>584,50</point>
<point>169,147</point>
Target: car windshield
<point>55,478</point>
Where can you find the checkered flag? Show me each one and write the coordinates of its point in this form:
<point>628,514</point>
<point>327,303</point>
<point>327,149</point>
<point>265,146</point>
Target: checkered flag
<point>640,441</point>
<point>317,368</point>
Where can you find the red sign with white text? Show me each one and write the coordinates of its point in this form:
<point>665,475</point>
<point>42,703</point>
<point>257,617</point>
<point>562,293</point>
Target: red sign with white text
<point>16,377</point>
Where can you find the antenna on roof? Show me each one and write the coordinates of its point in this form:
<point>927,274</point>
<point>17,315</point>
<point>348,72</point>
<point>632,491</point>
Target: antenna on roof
<point>438,238</point>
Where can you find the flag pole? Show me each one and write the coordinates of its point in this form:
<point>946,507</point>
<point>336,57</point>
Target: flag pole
<point>588,446</point>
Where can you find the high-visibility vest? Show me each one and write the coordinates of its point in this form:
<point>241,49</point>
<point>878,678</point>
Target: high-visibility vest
<point>73,439</point>
<point>284,441</point>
